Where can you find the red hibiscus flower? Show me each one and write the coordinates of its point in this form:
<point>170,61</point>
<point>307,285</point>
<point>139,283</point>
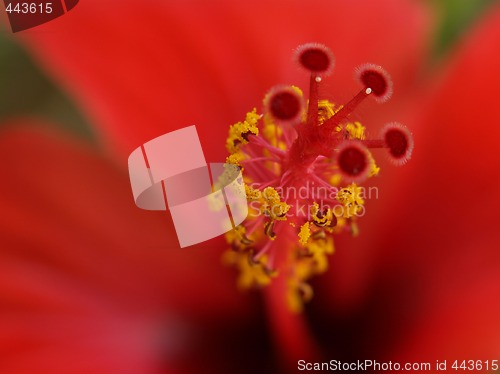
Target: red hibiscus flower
<point>91,284</point>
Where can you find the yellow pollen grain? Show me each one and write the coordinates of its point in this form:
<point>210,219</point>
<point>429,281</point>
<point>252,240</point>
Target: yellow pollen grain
<point>303,267</point>
<point>326,110</point>
<point>321,218</point>
<point>238,233</point>
<point>273,207</point>
<point>352,130</point>
<point>235,158</point>
<point>239,132</point>
<point>355,130</point>
<point>252,193</point>
<point>252,117</point>
<point>319,249</point>
<point>304,233</point>
<point>252,274</point>
<point>297,293</point>
<point>350,198</point>
<point>374,168</point>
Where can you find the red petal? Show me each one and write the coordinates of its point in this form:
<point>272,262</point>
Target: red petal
<point>431,281</point>
<point>141,70</point>
<point>291,333</point>
<point>90,282</point>
<point>451,216</point>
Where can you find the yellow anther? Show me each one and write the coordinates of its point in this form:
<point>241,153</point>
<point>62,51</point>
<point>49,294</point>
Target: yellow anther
<point>374,168</point>
<point>252,117</point>
<point>322,218</point>
<point>326,110</point>
<point>251,273</point>
<point>239,132</point>
<point>350,197</point>
<point>305,233</point>
<point>238,237</point>
<point>235,158</point>
<point>319,249</point>
<point>297,293</point>
<point>269,230</point>
<point>252,193</point>
<point>352,130</point>
<point>355,130</point>
<point>273,207</point>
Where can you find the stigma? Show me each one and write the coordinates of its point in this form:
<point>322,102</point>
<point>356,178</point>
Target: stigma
<point>304,161</point>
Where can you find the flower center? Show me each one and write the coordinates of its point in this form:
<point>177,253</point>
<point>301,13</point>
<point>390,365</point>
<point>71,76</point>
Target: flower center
<point>302,165</point>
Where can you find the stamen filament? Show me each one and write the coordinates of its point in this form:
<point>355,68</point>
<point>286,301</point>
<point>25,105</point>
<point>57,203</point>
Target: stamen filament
<point>267,184</point>
<point>254,225</point>
<point>257,141</point>
<point>287,138</point>
<point>259,172</point>
<point>258,159</point>
<point>285,178</point>
<point>263,251</point>
<point>322,181</point>
<point>278,227</point>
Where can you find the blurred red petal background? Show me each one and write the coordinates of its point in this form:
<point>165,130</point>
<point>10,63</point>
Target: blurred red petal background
<point>77,255</point>
<point>427,279</point>
<point>89,282</point>
<point>456,203</point>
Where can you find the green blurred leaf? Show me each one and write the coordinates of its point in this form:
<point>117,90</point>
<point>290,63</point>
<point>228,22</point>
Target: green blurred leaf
<point>456,17</point>
<point>26,91</point>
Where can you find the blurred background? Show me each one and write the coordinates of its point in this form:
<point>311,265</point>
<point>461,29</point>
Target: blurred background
<point>91,284</point>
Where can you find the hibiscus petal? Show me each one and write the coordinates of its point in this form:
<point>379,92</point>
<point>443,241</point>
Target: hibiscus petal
<point>433,282</point>
<point>91,283</point>
<point>450,234</point>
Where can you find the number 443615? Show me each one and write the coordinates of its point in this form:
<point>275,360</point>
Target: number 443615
<point>32,8</point>
<point>478,365</point>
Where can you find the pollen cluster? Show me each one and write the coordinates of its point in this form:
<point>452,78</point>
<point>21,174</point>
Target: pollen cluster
<point>303,164</point>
